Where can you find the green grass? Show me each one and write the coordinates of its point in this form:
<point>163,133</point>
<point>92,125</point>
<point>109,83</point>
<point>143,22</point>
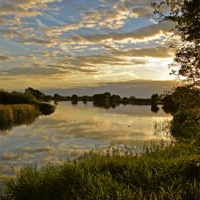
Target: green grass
<point>171,172</point>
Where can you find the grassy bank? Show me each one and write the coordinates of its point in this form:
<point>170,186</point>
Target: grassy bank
<point>21,108</point>
<point>171,172</point>
<point>18,114</point>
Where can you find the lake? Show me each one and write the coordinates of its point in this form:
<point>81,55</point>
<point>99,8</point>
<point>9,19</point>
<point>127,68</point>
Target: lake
<point>74,129</point>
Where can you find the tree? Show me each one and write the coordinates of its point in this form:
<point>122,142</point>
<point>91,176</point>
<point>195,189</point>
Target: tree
<point>185,14</point>
<point>102,97</point>
<point>107,95</point>
<point>36,93</point>
<point>169,105</point>
<point>154,99</point>
<point>57,96</point>
<point>74,98</point>
<point>115,98</point>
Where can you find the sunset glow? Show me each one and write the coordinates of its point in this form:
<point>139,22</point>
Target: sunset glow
<point>64,44</point>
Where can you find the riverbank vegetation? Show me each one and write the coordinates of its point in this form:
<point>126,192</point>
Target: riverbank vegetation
<point>165,172</point>
<point>21,108</point>
<point>15,115</point>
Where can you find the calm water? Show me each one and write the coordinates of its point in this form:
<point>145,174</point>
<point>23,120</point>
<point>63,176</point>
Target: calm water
<point>74,129</point>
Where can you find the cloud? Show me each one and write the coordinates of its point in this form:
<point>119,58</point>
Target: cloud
<point>139,88</point>
<point>42,42</point>
<point>110,17</point>
<point>6,58</point>
<point>17,11</point>
<point>103,59</point>
<point>86,48</point>
<point>10,34</point>
<point>136,9</point>
<point>157,52</point>
<point>23,8</point>
<point>33,70</point>
<point>115,63</point>
<point>9,156</point>
<point>47,148</point>
<point>2,21</point>
<point>145,34</point>
<point>114,18</point>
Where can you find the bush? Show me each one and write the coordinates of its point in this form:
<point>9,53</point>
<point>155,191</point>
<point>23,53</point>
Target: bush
<point>16,98</point>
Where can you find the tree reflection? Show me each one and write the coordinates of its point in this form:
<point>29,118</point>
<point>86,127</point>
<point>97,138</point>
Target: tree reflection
<point>154,108</point>
<point>106,104</point>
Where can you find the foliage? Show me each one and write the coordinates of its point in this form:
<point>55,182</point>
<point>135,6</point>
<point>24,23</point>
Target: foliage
<point>186,124</point>
<point>115,98</point>
<point>185,97</point>
<point>186,17</point>
<point>183,103</point>
<point>170,172</point>
<point>74,99</point>
<point>16,98</point>
<point>36,93</point>
<point>154,99</point>
<point>102,97</point>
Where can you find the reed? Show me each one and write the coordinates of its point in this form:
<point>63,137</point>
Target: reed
<point>12,115</point>
<point>166,173</point>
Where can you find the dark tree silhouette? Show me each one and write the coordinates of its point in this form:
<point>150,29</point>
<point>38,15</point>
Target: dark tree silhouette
<point>185,14</point>
<point>36,93</point>
<point>154,99</point>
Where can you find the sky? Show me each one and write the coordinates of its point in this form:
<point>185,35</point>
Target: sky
<point>84,47</point>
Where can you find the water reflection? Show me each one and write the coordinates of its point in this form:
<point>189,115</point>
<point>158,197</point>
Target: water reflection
<point>72,130</point>
<point>7,126</point>
<point>154,108</point>
<point>106,104</point>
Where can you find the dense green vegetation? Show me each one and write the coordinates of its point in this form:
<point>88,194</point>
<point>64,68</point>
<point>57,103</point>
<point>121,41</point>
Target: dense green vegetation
<point>21,108</point>
<point>184,105</point>
<point>14,115</point>
<point>164,173</point>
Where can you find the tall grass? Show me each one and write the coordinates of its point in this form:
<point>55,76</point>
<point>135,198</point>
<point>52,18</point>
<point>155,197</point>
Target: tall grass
<point>166,173</point>
<point>12,115</point>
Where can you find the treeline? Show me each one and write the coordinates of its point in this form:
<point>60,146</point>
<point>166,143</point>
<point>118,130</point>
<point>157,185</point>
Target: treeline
<point>102,97</point>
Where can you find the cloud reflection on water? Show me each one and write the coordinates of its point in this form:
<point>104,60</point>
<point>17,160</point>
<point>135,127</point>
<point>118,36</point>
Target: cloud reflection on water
<point>72,130</point>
